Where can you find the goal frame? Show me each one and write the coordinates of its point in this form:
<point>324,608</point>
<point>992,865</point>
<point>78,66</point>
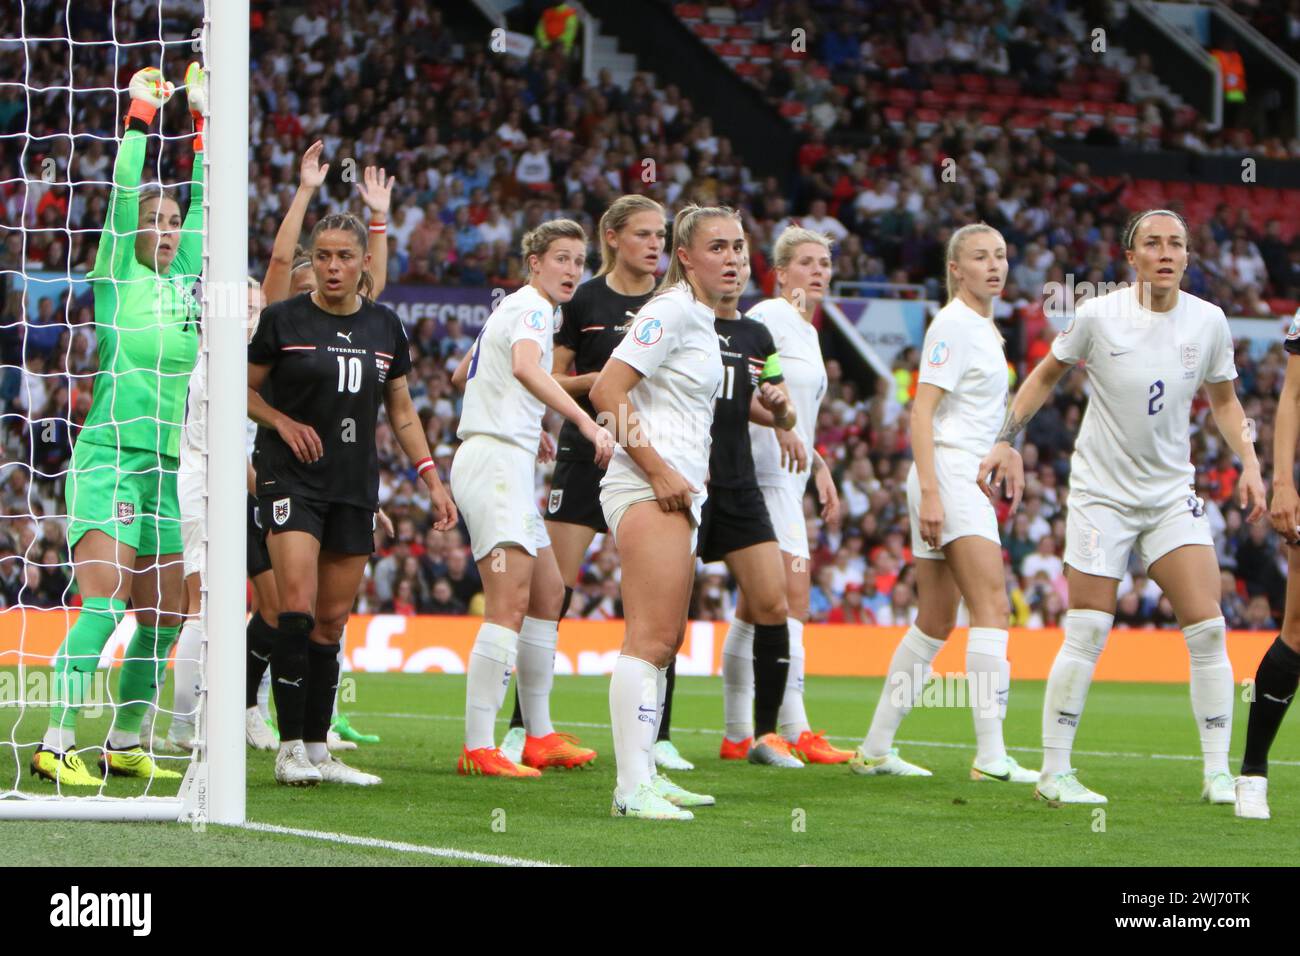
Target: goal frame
<point>213,789</point>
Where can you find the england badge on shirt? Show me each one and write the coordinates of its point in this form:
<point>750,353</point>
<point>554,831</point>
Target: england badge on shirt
<point>1191,355</point>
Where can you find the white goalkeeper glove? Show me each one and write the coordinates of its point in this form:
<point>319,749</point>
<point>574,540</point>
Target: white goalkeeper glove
<point>149,91</point>
<point>196,88</point>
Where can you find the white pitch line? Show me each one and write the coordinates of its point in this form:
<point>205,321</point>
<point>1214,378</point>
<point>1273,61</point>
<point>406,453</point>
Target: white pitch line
<point>439,851</point>
<point>947,745</point>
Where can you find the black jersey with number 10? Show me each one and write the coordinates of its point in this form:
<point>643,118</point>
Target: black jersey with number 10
<point>748,356</point>
<point>595,321</point>
<point>327,371</point>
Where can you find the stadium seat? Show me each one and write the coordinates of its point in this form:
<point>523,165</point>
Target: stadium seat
<point>792,109</point>
<point>1006,86</point>
<point>1070,91</point>
<point>760,53</point>
<point>973,82</point>
<point>689,12</point>
<point>708,32</point>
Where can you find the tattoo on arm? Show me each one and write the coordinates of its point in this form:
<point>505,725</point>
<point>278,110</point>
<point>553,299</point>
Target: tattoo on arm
<point>1011,427</point>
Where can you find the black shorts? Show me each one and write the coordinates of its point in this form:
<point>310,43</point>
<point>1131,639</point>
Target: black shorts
<point>733,518</point>
<point>345,529</point>
<point>575,495</point>
<point>259,559</point>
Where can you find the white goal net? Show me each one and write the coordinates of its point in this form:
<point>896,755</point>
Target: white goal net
<point>122,264</point>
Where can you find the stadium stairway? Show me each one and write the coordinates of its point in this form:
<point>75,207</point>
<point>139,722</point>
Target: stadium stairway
<point>666,46</point>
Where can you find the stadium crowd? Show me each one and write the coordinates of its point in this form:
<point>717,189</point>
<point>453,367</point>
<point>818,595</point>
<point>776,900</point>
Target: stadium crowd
<point>485,146</point>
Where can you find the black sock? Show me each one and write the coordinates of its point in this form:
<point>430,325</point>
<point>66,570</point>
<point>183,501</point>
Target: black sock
<point>517,717</point>
<point>289,672</point>
<point>1275,684</point>
<point>261,643</point>
<point>665,722</point>
<point>771,668</point>
<point>322,683</point>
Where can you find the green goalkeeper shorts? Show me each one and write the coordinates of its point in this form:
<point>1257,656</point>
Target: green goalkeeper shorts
<point>128,493</point>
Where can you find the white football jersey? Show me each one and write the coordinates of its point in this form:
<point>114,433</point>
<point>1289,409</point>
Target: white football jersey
<point>1144,368</point>
<point>963,356</point>
<point>496,404</point>
<point>195,433</point>
<point>805,377</point>
<point>674,346</point>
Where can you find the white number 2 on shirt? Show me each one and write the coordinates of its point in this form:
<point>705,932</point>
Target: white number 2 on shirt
<point>350,373</point>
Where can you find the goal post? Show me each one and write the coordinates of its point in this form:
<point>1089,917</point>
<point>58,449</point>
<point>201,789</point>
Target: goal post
<point>213,788</point>
<point>221,702</point>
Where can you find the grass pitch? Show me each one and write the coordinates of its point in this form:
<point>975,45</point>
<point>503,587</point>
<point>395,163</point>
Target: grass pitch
<point>1137,744</point>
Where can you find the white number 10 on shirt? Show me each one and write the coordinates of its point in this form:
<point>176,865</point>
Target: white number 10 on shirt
<point>350,373</point>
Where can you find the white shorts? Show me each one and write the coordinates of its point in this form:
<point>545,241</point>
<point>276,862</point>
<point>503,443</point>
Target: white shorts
<point>492,485</point>
<point>617,497</point>
<point>785,510</point>
<point>189,491</point>
<point>1099,535</point>
<point>966,510</point>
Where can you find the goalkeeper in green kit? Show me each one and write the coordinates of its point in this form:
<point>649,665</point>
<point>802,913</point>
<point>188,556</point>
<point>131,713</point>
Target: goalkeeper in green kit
<point>124,517</point>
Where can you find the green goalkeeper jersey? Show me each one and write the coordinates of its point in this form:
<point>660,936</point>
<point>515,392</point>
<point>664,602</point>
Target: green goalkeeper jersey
<point>146,323</point>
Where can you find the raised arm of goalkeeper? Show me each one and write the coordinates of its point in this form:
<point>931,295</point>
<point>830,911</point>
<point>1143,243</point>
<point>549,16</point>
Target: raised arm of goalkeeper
<point>156,245</point>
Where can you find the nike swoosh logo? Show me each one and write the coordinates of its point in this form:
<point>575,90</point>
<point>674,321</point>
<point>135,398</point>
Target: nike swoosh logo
<point>648,710</point>
<point>620,807</point>
<point>1004,777</point>
<point>1124,352</point>
<point>1064,714</point>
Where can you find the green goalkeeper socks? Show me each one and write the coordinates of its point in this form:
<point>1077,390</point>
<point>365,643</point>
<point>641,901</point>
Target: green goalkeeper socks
<point>78,658</point>
<point>142,674</point>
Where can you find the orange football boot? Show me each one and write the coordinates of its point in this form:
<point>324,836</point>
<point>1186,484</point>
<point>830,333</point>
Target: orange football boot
<point>557,750</point>
<point>491,762</point>
<point>815,748</point>
<point>735,751</point>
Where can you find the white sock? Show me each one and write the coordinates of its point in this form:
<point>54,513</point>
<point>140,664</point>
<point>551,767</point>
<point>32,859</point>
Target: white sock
<point>120,739</point>
<point>491,661</point>
<point>908,671</point>
<point>186,703</point>
<point>1212,690</point>
<point>318,752</point>
<point>738,680</point>
<point>986,652</point>
<point>661,696</point>
<point>793,719</point>
<point>288,745</point>
<point>59,739</point>
<point>536,662</point>
<point>633,701</point>
<point>264,695</point>
<point>342,637</point>
<point>1068,683</point>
